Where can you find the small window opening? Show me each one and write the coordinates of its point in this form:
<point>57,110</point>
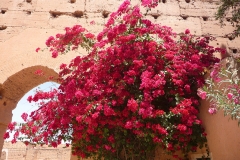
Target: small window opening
<point>78,14</point>
<point>72,1</point>
<point>3,27</point>
<point>234,50</point>
<point>205,18</point>
<point>105,14</point>
<point>184,17</point>
<point>29,12</point>
<point>3,11</point>
<point>155,15</point>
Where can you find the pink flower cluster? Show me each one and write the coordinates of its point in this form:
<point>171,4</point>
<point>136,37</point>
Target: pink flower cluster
<point>215,72</point>
<point>222,90</point>
<point>233,94</point>
<point>150,3</point>
<point>129,90</point>
<point>202,94</point>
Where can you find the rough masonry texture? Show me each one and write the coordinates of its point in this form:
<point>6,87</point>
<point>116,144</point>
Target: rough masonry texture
<point>20,151</point>
<point>26,24</point>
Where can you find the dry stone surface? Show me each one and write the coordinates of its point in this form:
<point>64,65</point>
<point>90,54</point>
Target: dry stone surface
<point>20,151</point>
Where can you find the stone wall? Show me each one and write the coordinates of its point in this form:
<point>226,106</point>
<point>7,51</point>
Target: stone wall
<point>26,24</point>
<point>20,151</point>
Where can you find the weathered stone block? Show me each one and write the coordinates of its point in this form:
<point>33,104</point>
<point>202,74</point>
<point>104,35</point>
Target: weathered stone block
<point>98,6</point>
<point>7,34</point>
<point>215,28</point>
<point>95,22</point>
<point>64,6</point>
<point>191,5</point>
<point>65,21</point>
<point>170,8</point>
<point>179,25</point>
<point>198,12</point>
<point>17,4</point>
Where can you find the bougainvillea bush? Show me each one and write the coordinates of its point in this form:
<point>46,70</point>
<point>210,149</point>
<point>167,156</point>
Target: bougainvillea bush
<point>222,89</point>
<point>134,91</point>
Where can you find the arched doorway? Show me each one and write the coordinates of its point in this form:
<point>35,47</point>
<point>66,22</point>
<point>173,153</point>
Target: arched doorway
<point>24,106</point>
<point>15,87</point>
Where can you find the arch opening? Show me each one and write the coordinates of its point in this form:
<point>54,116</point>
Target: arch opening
<point>16,86</point>
<point>24,106</point>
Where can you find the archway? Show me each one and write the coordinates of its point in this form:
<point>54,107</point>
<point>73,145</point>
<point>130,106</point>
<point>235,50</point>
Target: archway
<point>15,87</point>
<point>23,106</point>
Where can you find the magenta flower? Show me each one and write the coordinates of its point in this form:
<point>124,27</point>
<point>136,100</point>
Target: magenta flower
<point>212,110</point>
<point>149,3</point>
<point>132,105</point>
<point>92,22</point>
<point>182,127</point>
<point>229,95</point>
<point>202,94</point>
<point>37,49</point>
<point>54,54</point>
<point>215,72</point>
<point>24,116</point>
<point>187,31</point>
<point>236,101</point>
